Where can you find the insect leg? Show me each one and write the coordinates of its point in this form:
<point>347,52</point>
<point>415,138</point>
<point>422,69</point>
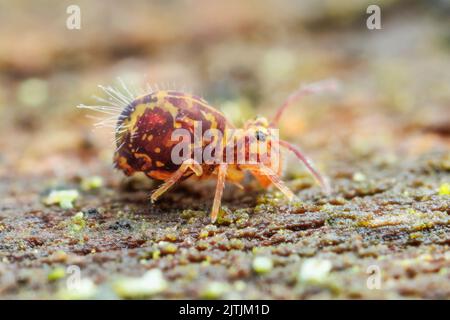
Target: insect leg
<point>219,191</point>
<point>321,179</point>
<point>188,164</point>
<point>275,179</point>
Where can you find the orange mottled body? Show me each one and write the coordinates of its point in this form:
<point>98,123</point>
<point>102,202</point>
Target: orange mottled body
<point>151,120</point>
<point>145,143</point>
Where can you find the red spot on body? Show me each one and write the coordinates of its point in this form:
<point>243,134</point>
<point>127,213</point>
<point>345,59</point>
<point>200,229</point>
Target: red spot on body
<point>155,118</point>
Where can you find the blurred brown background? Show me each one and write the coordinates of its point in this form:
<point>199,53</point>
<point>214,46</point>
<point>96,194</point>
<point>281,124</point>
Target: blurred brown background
<point>383,140</point>
<point>243,56</point>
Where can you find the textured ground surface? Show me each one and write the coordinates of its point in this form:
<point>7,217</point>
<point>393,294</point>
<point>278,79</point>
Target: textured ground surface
<point>383,140</point>
<point>395,221</point>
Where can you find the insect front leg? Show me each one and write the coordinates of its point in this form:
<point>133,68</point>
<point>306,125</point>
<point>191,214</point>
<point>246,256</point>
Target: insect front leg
<point>189,164</point>
<point>221,175</point>
<point>323,181</point>
<point>263,172</point>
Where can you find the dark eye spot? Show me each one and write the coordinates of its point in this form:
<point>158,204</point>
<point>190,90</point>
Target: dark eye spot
<point>260,136</point>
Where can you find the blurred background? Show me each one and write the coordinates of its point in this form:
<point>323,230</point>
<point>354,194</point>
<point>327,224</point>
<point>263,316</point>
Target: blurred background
<point>244,57</point>
<point>383,139</point>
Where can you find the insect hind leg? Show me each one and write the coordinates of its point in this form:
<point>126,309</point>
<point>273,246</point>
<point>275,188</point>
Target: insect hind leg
<point>188,164</point>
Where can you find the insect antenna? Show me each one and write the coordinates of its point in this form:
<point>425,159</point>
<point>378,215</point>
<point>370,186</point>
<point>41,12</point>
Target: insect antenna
<point>308,163</point>
<point>325,85</point>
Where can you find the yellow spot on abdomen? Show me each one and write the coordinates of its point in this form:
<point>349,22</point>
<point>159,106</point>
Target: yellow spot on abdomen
<point>157,150</point>
<point>143,156</point>
<point>123,164</point>
<point>147,159</point>
<point>159,164</point>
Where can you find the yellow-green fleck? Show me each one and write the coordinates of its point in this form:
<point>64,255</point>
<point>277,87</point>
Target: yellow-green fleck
<point>202,245</point>
<point>80,290</point>
<point>170,237</point>
<point>167,247</point>
<point>224,217</point>
<point>444,189</point>
<point>240,285</point>
<point>64,198</point>
<point>262,265</point>
<point>270,199</point>
<point>188,214</point>
<point>211,228</point>
<point>33,92</point>
<point>215,290</point>
<point>206,263</point>
<point>359,177</point>
<point>56,274</point>
<point>78,222</point>
<point>443,271</point>
<point>151,283</point>
<point>256,250</point>
<point>415,235</point>
<point>91,183</point>
<point>237,244</point>
<point>156,254</point>
<point>203,234</point>
<point>78,217</point>
<point>314,271</point>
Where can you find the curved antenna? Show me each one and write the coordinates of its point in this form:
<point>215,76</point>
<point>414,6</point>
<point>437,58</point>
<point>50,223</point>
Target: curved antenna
<point>320,179</point>
<point>324,85</point>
